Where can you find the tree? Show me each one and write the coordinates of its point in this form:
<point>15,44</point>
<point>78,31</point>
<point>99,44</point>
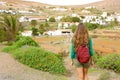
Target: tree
<point>52,19</point>
<point>44,27</point>
<point>91,26</point>
<point>33,23</point>
<point>75,19</point>
<point>41,29</point>
<point>35,31</point>
<point>10,23</point>
<point>2,35</point>
<point>116,23</point>
<point>66,19</point>
<point>82,17</point>
<point>73,28</point>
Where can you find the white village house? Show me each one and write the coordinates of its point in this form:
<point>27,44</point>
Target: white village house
<point>26,33</point>
<point>59,32</point>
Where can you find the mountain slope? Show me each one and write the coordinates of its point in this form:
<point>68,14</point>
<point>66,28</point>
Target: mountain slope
<point>20,4</point>
<point>105,5</point>
<point>109,5</point>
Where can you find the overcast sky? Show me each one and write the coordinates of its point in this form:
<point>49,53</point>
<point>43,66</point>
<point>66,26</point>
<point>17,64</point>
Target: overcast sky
<point>65,2</point>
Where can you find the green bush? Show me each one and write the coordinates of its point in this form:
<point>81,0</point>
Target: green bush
<point>9,48</point>
<point>91,26</point>
<point>26,41</point>
<point>36,57</point>
<point>111,61</point>
<point>73,28</point>
<point>21,41</point>
<point>39,58</point>
<point>52,19</point>
<point>96,57</point>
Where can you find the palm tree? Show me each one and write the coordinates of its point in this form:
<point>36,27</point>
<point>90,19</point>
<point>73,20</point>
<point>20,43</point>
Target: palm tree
<point>11,24</point>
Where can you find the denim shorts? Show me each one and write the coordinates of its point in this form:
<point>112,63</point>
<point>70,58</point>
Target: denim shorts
<point>78,64</point>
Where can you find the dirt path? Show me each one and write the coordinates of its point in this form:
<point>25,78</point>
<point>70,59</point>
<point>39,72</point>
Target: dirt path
<point>10,69</point>
<point>72,71</point>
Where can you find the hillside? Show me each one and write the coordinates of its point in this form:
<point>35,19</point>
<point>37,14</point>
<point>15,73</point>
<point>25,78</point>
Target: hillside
<point>20,4</point>
<point>105,5</point>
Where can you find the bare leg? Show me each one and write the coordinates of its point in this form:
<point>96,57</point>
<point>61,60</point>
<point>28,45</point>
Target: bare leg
<point>85,73</point>
<point>80,73</point>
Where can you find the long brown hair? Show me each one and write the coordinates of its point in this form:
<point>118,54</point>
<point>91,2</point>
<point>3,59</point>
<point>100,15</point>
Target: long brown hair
<point>81,36</point>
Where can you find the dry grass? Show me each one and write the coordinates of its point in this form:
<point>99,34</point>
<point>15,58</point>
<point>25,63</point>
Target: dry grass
<point>60,43</point>
<point>106,45</point>
<point>53,43</point>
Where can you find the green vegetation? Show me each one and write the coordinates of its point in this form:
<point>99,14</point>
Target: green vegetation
<point>110,62</point>
<point>39,58</point>
<point>90,26</point>
<point>73,28</point>
<point>2,35</point>
<point>75,19</point>
<point>28,52</point>
<point>35,31</point>
<point>10,25</point>
<point>44,27</point>
<point>70,19</point>
<point>94,11</point>
<point>33,23</point>
<point>21,41</point>
<point>52,19</point>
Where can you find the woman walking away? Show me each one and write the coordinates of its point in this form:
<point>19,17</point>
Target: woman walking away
<point>82,46</point>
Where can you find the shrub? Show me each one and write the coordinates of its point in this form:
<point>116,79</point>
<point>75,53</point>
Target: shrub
<point>9,48</point>
<point>40,59</point>
<point>35,31</point>
<point>26,41</point>
<point>111,61</point>
<point>96,57</point>
<point>73,28</point>
<point>75,19</point>
<point>91,26</point>
<point>52,19</point>
<point>21,41</point>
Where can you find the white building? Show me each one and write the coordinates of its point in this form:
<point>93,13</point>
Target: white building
<point>118,18</point>
<point>74,15</point>
<point>24,12</point>
<point>85,11</point>
<point>109,18</point>
<point>59,9</point>
<point>89,7</point>
<point>104,14</point>
<point>23,19</point>
<point>7,11</point>
<point>53,33</point>
<point>58,18</point>
<point>59,32</point>
<point>27,33</point>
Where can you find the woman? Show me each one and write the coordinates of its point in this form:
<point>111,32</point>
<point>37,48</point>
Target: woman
<point>81,37</point>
